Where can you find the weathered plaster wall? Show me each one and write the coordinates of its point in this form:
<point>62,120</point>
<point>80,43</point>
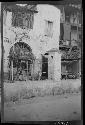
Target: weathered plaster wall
<point>45,12</point>
<point>38,42</point>
<point>49,13</point>
<point>54,66</point>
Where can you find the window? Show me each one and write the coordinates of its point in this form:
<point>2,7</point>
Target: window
<point>23,20</point>
<point>49,29</point>
<point>80,18</point>
<point>17,20</point>
<point>79,36</point>
<point>67,18</point>
<point>79,28</point>
<point>73,27</point>
<point>61,31</point>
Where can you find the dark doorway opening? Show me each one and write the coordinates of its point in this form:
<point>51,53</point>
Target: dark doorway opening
<point>44,67</point>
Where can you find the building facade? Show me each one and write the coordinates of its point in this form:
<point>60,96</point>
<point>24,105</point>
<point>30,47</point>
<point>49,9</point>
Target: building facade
<point>44,41</point>
<point>31,42</point>
<point>71,40</point>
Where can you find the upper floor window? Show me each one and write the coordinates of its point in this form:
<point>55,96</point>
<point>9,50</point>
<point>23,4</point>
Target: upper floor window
<point>73,27</point>
<point>61,31</point>
<point>74,18</point>
<point>23,20</point>
<point>80,36</point>
<point>79,28</point>
<point>80,18</point>
<point>48,28</point>
<point>67,18</point>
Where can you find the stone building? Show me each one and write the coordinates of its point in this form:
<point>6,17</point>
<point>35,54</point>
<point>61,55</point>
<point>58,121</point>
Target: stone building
<point>71,40</point>
<point>31,42</point>
<point>43,40</point>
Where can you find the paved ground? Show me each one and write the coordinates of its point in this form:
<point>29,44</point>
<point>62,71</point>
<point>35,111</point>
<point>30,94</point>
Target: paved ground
<point>49,108</point>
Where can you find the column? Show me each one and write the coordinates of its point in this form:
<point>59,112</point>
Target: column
<point>33,70</point>
<point>57,66</point>
<point>27,69</point>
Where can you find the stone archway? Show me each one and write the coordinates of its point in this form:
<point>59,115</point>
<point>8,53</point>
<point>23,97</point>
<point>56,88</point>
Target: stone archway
<point>20,61</point>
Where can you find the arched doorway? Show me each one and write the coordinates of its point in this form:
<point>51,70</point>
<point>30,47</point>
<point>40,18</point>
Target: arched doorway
<point>20,61</point>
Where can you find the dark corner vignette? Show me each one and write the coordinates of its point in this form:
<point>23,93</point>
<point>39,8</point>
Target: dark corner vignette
<point>2,72</point>
<point>42,63</point>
